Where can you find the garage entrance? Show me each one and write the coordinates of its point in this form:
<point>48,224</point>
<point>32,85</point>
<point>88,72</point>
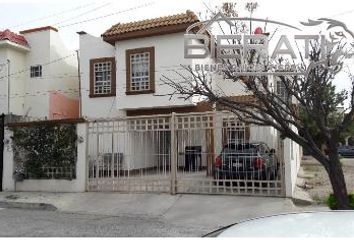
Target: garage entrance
<point>205,153</point>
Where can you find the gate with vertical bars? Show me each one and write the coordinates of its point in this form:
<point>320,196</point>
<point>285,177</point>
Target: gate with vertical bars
<point>209,152</point>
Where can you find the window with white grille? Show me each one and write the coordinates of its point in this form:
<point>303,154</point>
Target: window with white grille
<point>140,76</point>
<point>102,77</point>
<point>140,70</point>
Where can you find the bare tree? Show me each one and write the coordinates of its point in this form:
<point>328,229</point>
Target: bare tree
<point>309,100</point>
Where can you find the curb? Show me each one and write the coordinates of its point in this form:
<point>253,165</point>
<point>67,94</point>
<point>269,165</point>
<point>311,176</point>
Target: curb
<point>300,196</point>
<point>301,202</point>
<point>28,205</point>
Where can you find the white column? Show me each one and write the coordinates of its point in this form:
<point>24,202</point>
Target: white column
<point>288,165</point>
<point>8,183</point>
<point>173,155</point>
<point>82,163</point>
<point>218,123</point>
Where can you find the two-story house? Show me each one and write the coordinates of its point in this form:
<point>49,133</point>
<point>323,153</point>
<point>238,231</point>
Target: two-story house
<point>121,76</point>
<point>38,75</point>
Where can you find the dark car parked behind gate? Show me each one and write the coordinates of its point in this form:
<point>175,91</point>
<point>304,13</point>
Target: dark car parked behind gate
<point>246,161</point>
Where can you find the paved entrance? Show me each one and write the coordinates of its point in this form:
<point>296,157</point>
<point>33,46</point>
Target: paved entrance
<point>189,215</point>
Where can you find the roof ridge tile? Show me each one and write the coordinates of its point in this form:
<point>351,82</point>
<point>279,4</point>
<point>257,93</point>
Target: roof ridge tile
<point>120,29</point>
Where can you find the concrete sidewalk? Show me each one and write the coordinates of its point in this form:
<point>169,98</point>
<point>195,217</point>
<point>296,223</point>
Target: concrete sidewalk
<point>204,212</point>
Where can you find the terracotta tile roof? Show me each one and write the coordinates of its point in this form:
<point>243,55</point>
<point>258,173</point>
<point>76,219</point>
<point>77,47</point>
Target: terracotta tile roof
<point>239,99</point>
<point>150,27</point>
<point>243,98</point>
<point>13,37</point>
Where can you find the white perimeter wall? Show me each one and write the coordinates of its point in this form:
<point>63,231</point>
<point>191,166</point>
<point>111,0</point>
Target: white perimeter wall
<point>45,185</point>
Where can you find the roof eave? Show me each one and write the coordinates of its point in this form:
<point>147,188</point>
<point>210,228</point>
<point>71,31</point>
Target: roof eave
<point>14,45</point>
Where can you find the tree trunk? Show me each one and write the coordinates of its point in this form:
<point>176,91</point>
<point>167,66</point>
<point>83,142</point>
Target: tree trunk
<point>336,176</point>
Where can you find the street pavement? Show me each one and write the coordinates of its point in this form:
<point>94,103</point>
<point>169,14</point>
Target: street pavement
<point>41,223</point>
<point>133,215</point>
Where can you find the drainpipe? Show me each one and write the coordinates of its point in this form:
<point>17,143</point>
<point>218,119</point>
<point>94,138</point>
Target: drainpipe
<point>8,86</point>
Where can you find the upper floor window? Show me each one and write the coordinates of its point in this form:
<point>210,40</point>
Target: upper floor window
<point>140,64</point>
<point>36,71</point>
<point>102,77</point>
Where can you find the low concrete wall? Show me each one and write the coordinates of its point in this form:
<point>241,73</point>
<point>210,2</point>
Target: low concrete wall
<point>47,185</point>
<point>51,185</point>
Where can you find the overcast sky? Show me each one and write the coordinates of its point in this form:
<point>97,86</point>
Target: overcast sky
<point>95,17</point>
<point>65,14</point>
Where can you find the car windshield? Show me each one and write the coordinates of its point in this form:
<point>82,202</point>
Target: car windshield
<point>245,147</point>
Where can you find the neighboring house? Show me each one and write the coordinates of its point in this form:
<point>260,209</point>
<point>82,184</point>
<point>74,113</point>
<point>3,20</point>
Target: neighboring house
<point>38,75</point>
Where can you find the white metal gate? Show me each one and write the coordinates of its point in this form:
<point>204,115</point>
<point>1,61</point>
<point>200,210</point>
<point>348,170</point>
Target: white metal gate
<point>130,155</point>
<point>175,153</point>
